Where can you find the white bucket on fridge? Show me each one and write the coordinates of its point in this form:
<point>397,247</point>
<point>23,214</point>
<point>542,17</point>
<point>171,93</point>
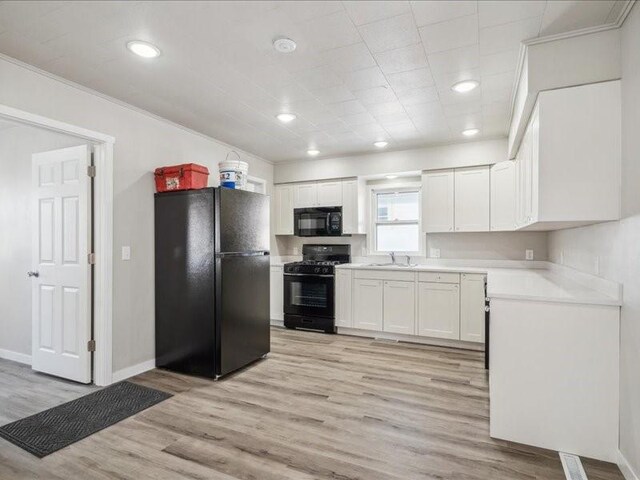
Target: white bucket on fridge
<point>233,173</point>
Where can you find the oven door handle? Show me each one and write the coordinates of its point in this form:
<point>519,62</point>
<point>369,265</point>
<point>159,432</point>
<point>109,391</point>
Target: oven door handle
<point>307,275</point>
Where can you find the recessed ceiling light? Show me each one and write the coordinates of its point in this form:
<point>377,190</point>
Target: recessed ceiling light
<point>286,117</point>
<point>284,45</point>
<point>313,152</point>
<point>470,132</point>
<point>381,144</point>
<point>465,86</point>
<point>143,49</point>
<point>391,177</point>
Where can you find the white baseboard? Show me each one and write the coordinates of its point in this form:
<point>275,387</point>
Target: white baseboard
<point>15,356</point>
<point>626,469</point>
<point>133,370</point>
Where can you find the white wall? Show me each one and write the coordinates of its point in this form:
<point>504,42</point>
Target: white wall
<point>17,144</point>
<point>612,250</point>
<point>429,158</point>
<point>142,143</point>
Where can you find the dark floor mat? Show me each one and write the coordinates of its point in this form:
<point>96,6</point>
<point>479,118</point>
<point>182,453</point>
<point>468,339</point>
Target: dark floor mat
<point>58,427</point>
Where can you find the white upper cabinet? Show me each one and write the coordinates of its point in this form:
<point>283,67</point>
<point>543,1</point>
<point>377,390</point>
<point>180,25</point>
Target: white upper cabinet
<point>329,194</point>
<point>503,196</point>
<point>438,201</point>
<point>283,210</point>
<point>472,199</point>
<point>472,307</point>
<point>305,195</point>
<point>568,161</point>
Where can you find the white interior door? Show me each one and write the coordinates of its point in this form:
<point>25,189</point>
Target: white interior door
<point>61,276</point>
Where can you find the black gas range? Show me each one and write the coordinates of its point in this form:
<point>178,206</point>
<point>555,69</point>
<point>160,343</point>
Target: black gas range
<point>309,287</point>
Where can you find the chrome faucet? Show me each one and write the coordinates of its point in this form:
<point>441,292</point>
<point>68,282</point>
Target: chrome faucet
<point>393,257</point>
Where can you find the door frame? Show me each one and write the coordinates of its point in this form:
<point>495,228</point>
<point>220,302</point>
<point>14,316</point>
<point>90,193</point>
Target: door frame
<point>103,232</point>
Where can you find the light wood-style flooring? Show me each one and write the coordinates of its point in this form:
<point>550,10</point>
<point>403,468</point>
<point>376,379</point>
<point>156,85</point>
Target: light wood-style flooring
<point>24,392</point>
<point>319,407</point>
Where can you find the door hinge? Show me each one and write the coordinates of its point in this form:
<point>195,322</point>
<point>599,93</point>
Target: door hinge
<point>91,345</point>
<point>91,171</point>
<point>91,258</point>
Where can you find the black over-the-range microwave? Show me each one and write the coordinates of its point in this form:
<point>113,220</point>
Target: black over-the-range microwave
<point>317,222</point>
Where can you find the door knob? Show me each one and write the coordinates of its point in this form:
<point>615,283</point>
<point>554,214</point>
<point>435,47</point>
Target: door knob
<point>33,274</point>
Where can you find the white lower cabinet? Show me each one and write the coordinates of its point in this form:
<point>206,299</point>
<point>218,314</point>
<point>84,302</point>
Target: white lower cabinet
<point>343,298</point>
<point>439,310</point>
<point>367,304</point>
<point>277,293</point>
<point>472,307</point>
<point>399,307</point>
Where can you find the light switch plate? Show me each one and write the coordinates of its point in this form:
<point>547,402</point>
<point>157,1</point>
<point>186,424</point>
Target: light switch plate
<point>528,254</point>
<point>434,252</point>
<point>126,253</point>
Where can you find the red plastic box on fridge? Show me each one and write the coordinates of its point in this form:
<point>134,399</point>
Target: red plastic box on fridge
<point>188,176</point>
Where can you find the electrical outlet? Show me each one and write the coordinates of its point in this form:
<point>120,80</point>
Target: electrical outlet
<point>528,254</point>
<point>434,252</point>
<point>126,253</point>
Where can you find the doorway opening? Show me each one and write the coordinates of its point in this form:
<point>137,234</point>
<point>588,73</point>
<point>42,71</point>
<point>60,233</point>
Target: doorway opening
<point>58,202</point>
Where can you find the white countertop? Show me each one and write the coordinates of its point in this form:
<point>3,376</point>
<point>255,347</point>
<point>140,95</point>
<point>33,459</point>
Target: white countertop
<point>534,284</point>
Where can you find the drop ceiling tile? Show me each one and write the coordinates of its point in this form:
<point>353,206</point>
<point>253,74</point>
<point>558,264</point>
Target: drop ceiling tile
<point>451,97</point>
<point>303,11</point>
<point>363,79</point>
<point>426,113</point>
<point>363,12</point>
<point>462,122</point>
<point>320,116</point>
<point>490,96</point>
<point>457,109</point>
<point>375,95</point>
<point>454,60</point>
<point>371,131</point>
<point>435,11</point>
<point>402,59</point>
<point>379,109</point>
<point>508,36</point>
<point>418,95</point>
<point>334,128</point>
<point>565,16</point>
<point>497,109</point>
<point>499,81</point>
<point>390,34</point>
<point>363,118</point>
<point>499,12</point>
<point>410,80</point>
<point>318,79</point>
<point>392,118</point>
<point>349,58</point>
<point>347,108</point>
<point>331,31</point>
<point>334,94</point>
<point>451,34</point>
<point>401,130</point>
<point>499,62</point>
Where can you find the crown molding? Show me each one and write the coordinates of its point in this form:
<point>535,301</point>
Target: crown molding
<point>124,104</point>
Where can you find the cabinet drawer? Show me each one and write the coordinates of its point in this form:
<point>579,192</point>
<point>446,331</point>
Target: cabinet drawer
<point>385,275</point>
<point>439,277</point>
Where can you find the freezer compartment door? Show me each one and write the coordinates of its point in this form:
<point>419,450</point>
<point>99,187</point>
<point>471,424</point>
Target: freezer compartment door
<point>243,221</point>
<point>242,320</point>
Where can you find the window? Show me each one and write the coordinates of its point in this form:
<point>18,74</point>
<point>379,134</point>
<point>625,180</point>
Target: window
<point>396,220</point>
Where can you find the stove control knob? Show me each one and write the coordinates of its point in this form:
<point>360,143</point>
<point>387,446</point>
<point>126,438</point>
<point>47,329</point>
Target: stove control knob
<point>316,270</point>
<point>296,269</point>
<point>325,270</point>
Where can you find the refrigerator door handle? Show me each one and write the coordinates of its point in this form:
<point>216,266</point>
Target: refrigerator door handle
<point>260,253</point>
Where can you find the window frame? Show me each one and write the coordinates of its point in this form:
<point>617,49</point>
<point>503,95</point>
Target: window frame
<point>374,190</point>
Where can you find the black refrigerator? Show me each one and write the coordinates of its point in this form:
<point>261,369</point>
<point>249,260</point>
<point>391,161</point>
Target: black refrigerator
<point>211,280</point>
